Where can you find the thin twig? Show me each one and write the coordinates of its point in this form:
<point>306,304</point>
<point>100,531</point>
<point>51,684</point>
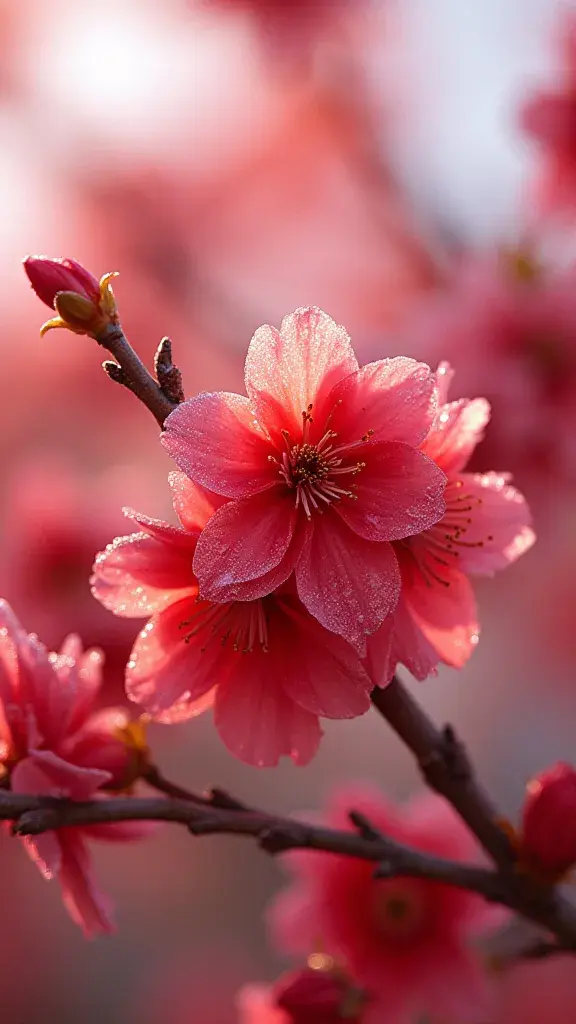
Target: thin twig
<point>132,373</point>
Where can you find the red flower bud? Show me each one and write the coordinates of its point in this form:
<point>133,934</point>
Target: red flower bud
<point>50,276</point>
<point>111,742</point>
<point>84,305</point>
<point>318,997</point>
<point>548,837</point>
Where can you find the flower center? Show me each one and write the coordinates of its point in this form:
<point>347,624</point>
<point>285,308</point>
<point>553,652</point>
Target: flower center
<point>313,471</point>
<point>436,552</point>
<point>398,910</point>
<point>242,625</point>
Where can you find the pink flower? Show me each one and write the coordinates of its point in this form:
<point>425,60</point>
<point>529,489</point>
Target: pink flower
<point>307,996</point>
<point>507,326</point>
<point>405,941</point>
<point>46,728</point>
<point>268,667</point>
<point>485,528</point>
<point>550,118</point>
<point>548,835</point>
<point>322,471</point>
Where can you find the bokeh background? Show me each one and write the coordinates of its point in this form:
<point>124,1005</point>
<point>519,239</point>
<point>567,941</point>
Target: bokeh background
<point>234,160</point>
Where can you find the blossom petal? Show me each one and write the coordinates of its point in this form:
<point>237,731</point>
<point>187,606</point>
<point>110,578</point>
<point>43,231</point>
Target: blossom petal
<point>136,576</point>
<point>411,646</point>
<point>393,398</point>
<point>87,906</point>
<point>349,584</point>
<point>167,675</point>
<point>446,615</point>
<point>88,683</point>
<point>44,772</point>
<point>399,492</point>
<point>457,429</point>
<point>499,530</point>
<point>291,369</point>
<point>43,695</point>
<point>243,542</point>
<point>380,661</point>
<point>256,719</point>
<point>163,532</point>
<point>318,669</point>
<point>45,852</point>
<point>216,441</point>
<point>193,504</point>
<point>11,637</point>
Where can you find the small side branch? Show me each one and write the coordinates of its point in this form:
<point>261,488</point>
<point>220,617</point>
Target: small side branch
<point>160,396</point>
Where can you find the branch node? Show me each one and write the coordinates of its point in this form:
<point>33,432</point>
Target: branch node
<point>116,373</point>
<point>222,799</point>
<point>167,374</point>
<point>364,826</point>
<point>280,838</point>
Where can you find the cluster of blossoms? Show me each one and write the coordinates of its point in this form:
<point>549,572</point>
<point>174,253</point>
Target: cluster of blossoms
<point>327,531</point>
<point>54,743</point>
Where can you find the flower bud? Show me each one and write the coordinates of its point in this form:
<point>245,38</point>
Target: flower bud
<point>318,997</point>
<point>111,742</point>
<point>548,838</point>
<point>84,305</point>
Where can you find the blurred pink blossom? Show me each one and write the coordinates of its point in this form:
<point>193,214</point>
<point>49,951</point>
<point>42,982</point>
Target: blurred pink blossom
<point>404,940</point>
<point>486,527</point>
<point>322,475</point>
<point>269,668</point>
<point>508,327</point>
<point>54,522</point>
<point>549,116</point>
<point>46,707</point>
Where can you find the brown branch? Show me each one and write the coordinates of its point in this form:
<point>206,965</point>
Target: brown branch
<point>446,768</point>
<point>129,370</point>
<point>33,815</point>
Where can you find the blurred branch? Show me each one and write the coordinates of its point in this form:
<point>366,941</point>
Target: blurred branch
<point>160,396</point>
